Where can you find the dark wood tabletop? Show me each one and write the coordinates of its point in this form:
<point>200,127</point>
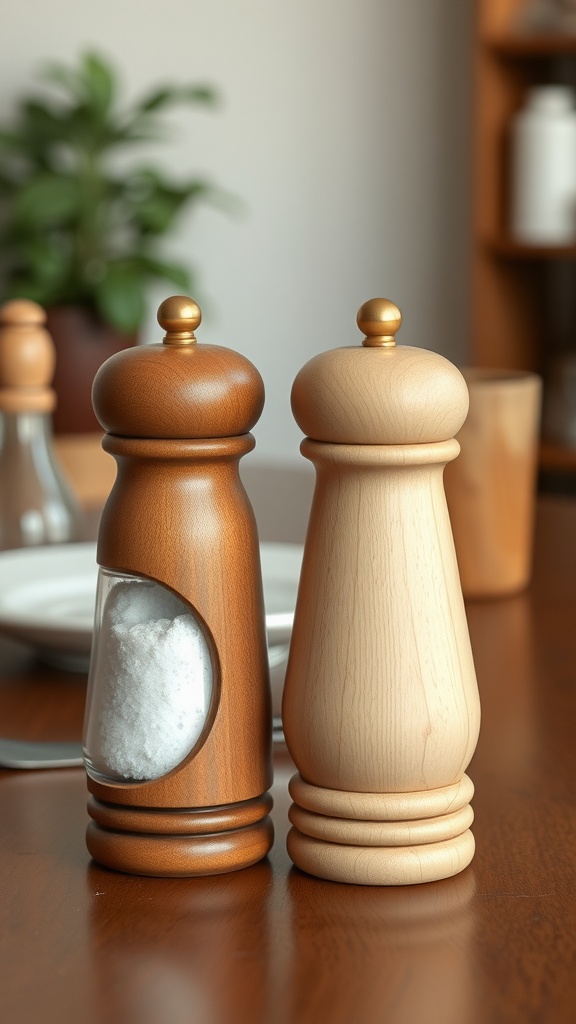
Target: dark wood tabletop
<point>494,945</point>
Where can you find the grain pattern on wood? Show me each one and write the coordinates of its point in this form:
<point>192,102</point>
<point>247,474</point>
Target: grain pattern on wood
<point>178,514</point>
<point>495,943</point>
<point>380,694</point>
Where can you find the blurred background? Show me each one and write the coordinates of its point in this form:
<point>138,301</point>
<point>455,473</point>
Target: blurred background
<point>343,128</point>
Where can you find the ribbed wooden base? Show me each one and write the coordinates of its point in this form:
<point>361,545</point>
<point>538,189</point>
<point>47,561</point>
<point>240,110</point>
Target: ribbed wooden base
<point>381,839</point>
<point>209,841</point>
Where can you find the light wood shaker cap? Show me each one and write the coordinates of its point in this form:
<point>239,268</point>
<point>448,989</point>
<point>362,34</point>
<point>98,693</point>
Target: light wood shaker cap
<point>178,389</point>
<point>27,359</point>
<point>379,393</point>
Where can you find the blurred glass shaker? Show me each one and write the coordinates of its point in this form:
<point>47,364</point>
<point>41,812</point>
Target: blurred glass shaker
<point>36,505</point>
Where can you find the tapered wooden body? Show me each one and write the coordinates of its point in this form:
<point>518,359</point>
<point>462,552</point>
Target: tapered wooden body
<point>380,710</point>
<point>179,515</point>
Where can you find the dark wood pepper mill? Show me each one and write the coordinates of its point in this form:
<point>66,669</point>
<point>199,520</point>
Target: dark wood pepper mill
<point>178,718</point>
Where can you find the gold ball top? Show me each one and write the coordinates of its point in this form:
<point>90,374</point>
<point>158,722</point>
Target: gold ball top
<point>179,316</point>
<point>22,312</point>
<point>379,319</point>
<point>384,394</point>
<point>178,390</point>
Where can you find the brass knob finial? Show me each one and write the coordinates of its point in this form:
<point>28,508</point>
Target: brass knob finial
<point>379,319</point>
<point>179,316</point>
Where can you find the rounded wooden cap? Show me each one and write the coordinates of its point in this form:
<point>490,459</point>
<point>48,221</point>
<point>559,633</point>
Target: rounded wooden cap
<point>178,389</point>
<point>27,358</point>
<point>379,393</point>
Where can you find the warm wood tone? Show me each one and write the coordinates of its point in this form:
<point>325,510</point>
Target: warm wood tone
<point>178,514</point>
<point>331,403</point>
<point>280,494</point>
<point>272,945</point>
<point>187,376</point>
<point>27,359</point>
<point>508,247</point>
<point>512,311</point>
<point>89,469</point>
<point>180,851</point>
<point>531,46</point>
<point>83,342</point>
<point>507,296</point>
<point>557,457</point>
<point>178,389</point>
<point>380,700</point>
<point>491,486</point>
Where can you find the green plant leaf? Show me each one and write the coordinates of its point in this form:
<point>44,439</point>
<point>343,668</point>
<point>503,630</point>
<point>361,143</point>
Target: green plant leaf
<point>92,83</point>
<point>41,127</point>
<point>120,297</point>
<point>155,201</point>
<point>173,272</point>
<point>69,78</point>
<point>46,200</point>
<point>99,83</point>
<point>167,95</point>
<point>72,229</point>
<point>49,263</point>
<point>10,141</point>
<point>22,287</point>
<point>6,184</point>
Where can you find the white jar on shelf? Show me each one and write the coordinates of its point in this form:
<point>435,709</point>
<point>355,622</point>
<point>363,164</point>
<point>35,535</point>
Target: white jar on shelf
<point>543,159</point>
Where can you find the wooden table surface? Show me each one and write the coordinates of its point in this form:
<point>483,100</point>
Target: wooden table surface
<point>494,945</point>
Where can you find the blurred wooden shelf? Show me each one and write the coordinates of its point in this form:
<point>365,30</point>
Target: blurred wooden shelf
<point>521,313</point>
<point>531,45</point>
<point>557,457</point>
<point>508,248</point>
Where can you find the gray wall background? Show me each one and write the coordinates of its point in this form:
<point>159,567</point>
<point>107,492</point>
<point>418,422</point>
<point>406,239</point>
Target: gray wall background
<point>344,128</point>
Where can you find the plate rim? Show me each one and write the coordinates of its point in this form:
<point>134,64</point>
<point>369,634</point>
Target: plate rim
<point>16,625</point>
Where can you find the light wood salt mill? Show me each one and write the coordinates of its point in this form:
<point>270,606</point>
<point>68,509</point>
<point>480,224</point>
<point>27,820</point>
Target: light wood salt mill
<point>178,719</point>
<point>380,711</point>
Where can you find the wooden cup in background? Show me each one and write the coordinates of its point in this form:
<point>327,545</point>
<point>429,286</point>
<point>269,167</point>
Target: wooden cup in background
<point>491,486</point>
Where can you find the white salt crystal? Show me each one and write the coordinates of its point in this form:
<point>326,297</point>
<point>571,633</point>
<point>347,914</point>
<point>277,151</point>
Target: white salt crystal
<point>154,681</point>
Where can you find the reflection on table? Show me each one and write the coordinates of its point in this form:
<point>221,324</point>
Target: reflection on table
<point>270,944</point>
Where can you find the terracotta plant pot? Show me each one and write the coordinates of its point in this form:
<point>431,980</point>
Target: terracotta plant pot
<point>83,343</point>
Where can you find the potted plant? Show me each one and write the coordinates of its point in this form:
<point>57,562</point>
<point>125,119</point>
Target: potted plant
<point>78,234</point>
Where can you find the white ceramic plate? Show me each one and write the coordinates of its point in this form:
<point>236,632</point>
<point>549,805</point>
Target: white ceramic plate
<point>47,597</point>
